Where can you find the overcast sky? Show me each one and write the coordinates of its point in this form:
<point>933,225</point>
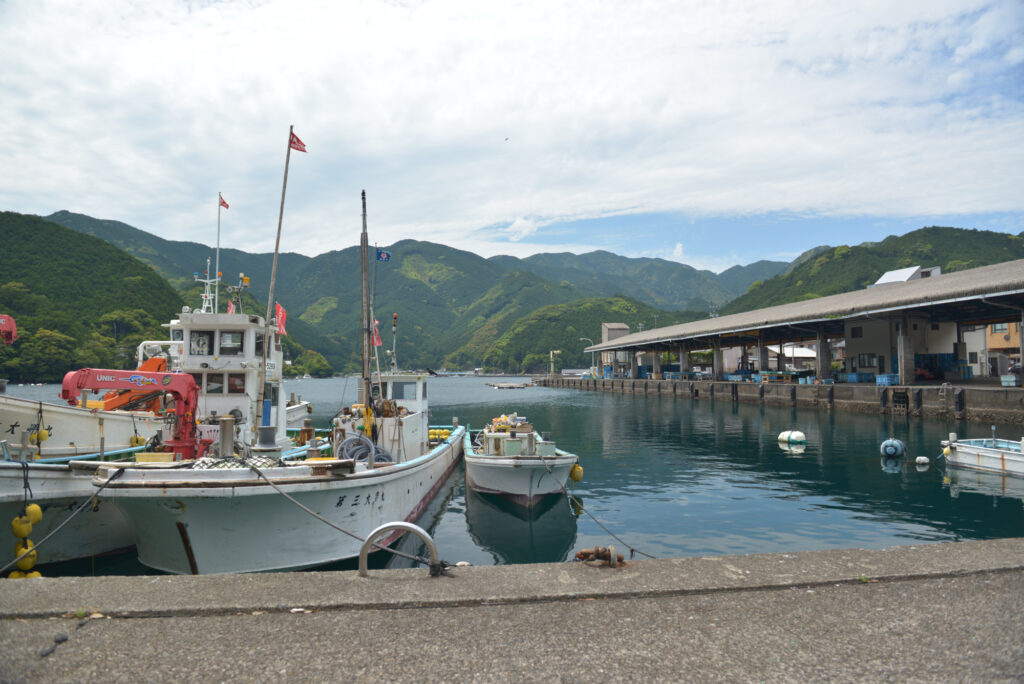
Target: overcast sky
<point>711,133</point>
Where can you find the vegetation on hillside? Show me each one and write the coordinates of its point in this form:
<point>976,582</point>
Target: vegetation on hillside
<point>77,300</point>
<point>843,269</point>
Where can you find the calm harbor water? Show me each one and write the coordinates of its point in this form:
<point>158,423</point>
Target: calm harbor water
<point>678,477</point>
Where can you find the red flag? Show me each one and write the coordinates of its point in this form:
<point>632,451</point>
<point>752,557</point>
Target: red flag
<point>376,335</point>
<point>296,144</point>
<point>281,315</point>
<point>222,202</point>
<point>231,306</point>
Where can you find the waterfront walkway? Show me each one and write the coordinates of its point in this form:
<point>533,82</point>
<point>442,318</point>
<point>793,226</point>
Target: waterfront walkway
<point>938,612</point>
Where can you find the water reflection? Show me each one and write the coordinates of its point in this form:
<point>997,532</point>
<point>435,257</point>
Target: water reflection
<point>545,533</point>
<point>989,484</point>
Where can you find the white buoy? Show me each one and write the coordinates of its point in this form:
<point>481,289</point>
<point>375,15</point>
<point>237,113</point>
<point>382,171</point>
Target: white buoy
<point>922,460</point>
<point>793,437</point>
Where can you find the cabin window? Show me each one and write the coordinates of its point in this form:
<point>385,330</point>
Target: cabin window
<point>231,343</point>
<point>236,383</point>
<point>201,343</point>
<point>424,390</point>
<point>198,377</point>
<point>177,335</point>
<point>215,383</point>
<point>935,326</point>
<point>403,390</point>
<point>857,331</point>
<point>259,344</point>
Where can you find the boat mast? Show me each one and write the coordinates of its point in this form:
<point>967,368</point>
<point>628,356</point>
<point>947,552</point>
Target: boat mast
<point>270,296</point>
<point>367,327</point>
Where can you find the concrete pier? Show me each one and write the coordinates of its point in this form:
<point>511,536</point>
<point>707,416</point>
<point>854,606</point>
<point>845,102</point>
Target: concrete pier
<point>986,404</point>
<point>923,613</point>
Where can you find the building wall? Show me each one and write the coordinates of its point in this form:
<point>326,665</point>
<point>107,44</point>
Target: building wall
<point>867,340</point>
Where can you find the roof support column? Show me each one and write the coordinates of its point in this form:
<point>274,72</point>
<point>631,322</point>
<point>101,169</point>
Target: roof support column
<point>656,364</point>
<point>824,358</point>
<point>959,347</point>
<point>762,355</point>
<point>684,359</point>
<point>633,366</point>
<point>1020,338</point>
<point>716,359</point>
<point>905,351</point>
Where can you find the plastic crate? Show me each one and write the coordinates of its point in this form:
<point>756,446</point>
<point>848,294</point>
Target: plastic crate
<point>887,379</point>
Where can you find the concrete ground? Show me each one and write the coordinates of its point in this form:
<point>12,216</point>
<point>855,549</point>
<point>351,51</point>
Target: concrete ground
<point>926,613</point>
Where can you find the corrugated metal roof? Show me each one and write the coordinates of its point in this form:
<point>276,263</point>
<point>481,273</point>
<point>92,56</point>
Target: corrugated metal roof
<point>975,283</point>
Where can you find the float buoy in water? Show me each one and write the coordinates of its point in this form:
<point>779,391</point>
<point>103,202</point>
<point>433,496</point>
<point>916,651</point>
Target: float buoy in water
<point>793,437</point>
<point>922,460</point>
<point>892,448</point>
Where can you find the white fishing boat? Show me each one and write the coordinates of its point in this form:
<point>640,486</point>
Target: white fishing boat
<point>52,461</point>
<point>510,459</point>
<point>989,455</point>
<point>259,512</point>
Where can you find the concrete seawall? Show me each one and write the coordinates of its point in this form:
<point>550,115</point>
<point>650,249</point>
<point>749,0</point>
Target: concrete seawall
<point>932,612</point>
<point>950,402</point>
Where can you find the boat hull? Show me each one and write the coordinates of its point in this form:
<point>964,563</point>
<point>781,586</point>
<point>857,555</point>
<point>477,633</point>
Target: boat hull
<point>230,521</point>
<point>987,455</point>
<point>73,430</point>
<point>59,490</point>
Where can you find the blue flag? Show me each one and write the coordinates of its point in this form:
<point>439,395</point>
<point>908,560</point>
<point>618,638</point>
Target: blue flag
<point>383,256</point>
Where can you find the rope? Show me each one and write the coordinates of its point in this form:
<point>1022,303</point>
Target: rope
<point>117,474</point>
<point>27,486</point>
<point>418,559</point>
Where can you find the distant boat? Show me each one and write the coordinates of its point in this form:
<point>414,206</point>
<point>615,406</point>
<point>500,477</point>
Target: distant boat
<point>510,459</point>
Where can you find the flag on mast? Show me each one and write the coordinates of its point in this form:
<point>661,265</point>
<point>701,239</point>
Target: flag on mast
<point>222,202</point>
<point>297,144</point>
<point>281,315</point>
<point>231,306</point>
<point>377,342</point>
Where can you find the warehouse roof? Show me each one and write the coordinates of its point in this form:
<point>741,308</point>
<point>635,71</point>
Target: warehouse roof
<point>978,295</point>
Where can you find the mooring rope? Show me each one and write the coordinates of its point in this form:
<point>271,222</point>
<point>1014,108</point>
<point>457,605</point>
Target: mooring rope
<point>119,473</point>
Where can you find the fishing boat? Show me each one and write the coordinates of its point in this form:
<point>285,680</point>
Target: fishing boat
<point>512,460</point>
<point>60,446</point>
<point>256,511</point>
<point>989,455</point>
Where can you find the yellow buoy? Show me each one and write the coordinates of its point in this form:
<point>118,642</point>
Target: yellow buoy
<point>576,472</point>
<point>16,574</point>
<point>34,513</point>
<point>945,451</point>
<point>21,526</point>
<point>33,575</point>
<point>29,561</point>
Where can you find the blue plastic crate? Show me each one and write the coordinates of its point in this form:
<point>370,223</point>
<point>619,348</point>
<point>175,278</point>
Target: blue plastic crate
<point>887,379</point>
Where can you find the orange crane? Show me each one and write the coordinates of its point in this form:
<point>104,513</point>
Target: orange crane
<point>185,443</point>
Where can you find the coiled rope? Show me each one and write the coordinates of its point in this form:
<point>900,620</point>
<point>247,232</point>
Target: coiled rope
<point>117,474</point>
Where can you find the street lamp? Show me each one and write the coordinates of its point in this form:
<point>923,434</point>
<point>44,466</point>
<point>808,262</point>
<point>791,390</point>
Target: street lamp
<point>587,339</point>
<point>552,354</point>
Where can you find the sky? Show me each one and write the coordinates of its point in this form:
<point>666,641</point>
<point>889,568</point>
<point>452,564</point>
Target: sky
<point>711,133</point>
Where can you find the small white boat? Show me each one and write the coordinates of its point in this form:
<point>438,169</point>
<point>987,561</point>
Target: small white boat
<point>511,460</point>
<point>989,455</point>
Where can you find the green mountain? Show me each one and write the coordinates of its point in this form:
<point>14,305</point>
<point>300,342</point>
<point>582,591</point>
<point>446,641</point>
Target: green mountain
<point>526,345</point>
<point>827,270</point>
<point>77,300</point>
<point>664,284</point>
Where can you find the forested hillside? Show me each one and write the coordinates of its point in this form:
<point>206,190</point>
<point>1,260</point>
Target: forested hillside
<point>843,269</point>
<point>77,300</point>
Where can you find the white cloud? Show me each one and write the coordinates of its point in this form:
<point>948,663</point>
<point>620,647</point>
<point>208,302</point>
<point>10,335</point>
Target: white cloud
<point>455,117</point>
